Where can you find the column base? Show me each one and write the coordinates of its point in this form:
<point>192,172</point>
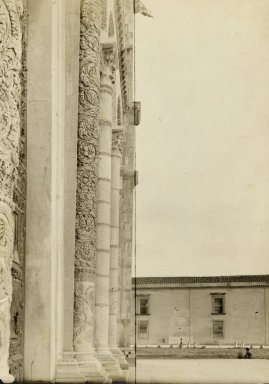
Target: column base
<point>91,368</point>
<point>119,356</point>
<point>129,353</point>
<point>110,364</point>
<point>6,378</point>
<point>67,370</point>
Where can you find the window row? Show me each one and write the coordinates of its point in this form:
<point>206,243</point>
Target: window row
<point>218,304</point>
<point>218,329</point>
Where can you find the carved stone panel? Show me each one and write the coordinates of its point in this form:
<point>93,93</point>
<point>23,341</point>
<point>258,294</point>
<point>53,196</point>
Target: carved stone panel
<point>93,15</point>
<point>17,304</point>
<point>19,203</point>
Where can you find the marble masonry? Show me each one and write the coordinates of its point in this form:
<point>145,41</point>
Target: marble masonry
<point>67,178</point>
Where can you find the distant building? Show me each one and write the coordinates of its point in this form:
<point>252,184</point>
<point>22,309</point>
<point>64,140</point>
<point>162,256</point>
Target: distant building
<point>203,310</point>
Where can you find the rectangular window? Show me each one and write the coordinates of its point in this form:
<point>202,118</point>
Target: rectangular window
<point>143,329</point>
<point>142,305</point>
<point>218,329</point>
<point>218,304</point>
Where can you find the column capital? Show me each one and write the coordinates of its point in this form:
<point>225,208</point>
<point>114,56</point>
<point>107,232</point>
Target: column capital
<point>127,174</point>
<point>117,139</point>
<point>108,54</point>
<point>108,61</point>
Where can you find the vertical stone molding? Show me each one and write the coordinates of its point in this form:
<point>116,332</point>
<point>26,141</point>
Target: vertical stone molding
<point>86,208</point>
<point>126,238</point>
<point>103,214</point>
<point>117,138</point>
<point>104,14</point>
<point>10,101</point>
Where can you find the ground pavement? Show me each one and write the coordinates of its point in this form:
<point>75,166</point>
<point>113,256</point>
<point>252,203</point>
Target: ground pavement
<point>210,371</point>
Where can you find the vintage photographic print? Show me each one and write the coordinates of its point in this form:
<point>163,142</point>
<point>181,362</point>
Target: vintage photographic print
<point>134,191</point>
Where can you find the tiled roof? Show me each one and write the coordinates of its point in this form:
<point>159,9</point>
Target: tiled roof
<point>201,279</point>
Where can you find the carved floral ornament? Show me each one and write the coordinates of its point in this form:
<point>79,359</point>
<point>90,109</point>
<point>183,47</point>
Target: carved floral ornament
<point>10,96</point>
<point>11,12</point>
<point>93,17</point>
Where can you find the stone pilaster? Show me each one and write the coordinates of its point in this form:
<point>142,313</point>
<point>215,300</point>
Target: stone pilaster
<point>103,215</point>
<point>126,242</point>
<point>10,100</point>
<point>67,369</point>
<point>117,137</point>
<point>86,211</point>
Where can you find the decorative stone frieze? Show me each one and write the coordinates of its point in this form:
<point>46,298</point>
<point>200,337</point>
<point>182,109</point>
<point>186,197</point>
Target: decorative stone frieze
<point>10,101</point>
<point>86,198</point>
<point>89,87</point>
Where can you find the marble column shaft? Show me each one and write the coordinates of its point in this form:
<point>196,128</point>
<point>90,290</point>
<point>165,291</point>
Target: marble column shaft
<point>103,214</point>
<point>117,137</point>
<point>103,208</point>
<point>114,238</point>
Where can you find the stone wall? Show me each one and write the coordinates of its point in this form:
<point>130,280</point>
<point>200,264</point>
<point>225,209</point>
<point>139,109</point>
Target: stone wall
<point>187,314</point>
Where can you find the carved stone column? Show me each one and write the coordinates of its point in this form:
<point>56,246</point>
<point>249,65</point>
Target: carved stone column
<point>10,99</point>
<point>117,137</point>
<point>86,241</point>
<point>103,215</point>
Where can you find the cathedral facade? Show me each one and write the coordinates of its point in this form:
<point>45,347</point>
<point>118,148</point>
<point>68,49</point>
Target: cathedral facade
<point>67,179</point>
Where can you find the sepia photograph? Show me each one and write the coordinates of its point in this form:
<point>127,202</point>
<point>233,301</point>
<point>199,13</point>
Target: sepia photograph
<point>134,191</point>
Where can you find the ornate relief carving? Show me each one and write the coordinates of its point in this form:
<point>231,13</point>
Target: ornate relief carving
<point>119,114</point>
<point>123,57</point>
<point>86,204</point>
<point>91,17</point>
<point>83,315</point>
<point>10,105</point>
<point>108,58</point>
<point>19,198</point>
<point>117,138</point>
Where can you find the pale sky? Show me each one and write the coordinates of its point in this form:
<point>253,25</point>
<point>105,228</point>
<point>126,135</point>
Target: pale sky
<point>202,76</point>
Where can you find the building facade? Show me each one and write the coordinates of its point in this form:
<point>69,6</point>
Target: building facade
<point>231,310</point>
<point>67,177</point>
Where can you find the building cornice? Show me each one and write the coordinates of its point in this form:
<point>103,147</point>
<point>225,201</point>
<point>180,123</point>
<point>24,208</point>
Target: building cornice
<point>185,282</point>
